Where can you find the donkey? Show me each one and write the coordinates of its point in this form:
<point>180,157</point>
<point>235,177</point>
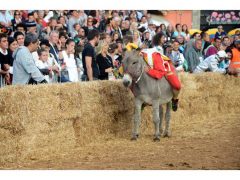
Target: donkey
<point>147,90</point>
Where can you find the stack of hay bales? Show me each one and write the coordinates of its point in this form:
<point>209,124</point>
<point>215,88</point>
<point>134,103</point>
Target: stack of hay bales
<point>47,121</point>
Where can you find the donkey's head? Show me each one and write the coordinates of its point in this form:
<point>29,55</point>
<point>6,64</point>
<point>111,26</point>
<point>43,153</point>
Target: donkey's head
<point>132,67</point>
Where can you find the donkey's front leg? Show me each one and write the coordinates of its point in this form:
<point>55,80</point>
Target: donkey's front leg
<point>156,120</point>
<point>137,119</point>
<point>167,132</point>
<point>161,119</point>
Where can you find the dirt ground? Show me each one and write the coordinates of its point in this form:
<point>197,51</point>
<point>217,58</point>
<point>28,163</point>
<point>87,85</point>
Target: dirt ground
<point>212,144</point>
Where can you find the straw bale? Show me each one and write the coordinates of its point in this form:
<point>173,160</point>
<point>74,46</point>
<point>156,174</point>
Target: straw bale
<point>46,122</point>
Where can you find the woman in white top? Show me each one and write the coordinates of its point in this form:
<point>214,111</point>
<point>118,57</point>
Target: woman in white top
<point>70,61</point>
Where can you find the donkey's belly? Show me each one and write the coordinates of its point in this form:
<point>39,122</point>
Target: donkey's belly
<point>146,99</point>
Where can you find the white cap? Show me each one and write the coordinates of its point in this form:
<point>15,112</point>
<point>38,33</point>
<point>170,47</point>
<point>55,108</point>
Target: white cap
<point>222,54</point>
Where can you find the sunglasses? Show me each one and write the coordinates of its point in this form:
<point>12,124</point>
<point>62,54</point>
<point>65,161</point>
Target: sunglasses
<point>17,14</point>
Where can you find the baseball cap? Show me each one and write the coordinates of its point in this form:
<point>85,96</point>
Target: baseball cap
<point>222,54</point>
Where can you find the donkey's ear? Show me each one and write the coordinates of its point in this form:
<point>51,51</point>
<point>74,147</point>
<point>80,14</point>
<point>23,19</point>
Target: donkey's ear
<point>137,51</point>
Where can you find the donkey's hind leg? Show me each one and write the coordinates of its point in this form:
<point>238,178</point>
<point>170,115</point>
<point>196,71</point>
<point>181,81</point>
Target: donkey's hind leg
<point>161,119</point>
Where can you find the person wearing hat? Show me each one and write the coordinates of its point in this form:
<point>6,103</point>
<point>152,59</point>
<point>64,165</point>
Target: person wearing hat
<point>220,33</point>
<point>31,27</point>
<point>234,67</point>
<point>211,63</point>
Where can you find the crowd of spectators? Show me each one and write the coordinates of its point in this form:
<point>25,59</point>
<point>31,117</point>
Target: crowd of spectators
<point>50,46</point>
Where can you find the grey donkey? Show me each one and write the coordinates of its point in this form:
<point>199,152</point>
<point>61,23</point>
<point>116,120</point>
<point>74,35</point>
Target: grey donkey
<point>147,91</point>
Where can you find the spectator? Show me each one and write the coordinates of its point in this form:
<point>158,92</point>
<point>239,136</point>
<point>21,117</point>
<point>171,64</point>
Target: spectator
<point>119,53</point>
<point>177,57</point>
<point>151,28</point>
<point>55,45</point>
<point>104,62</point>
<point>16,20</point>
<point>106,38</point>
<point>125,27</point>
<point>62,23</point>
<point>8,64</point>
<point>181,41</point>
<point>116,26</point>
<point>82,18</point>
<point>163,29</point>
<point>52,26</point>
<point>70,61</point>
<point>55,66</point>
<point>73,20</point>
<point>226,41</point>
<point>214,48</point>
<point>42,64</point>
<point>76,28</point>
<point>19,37</point>
<point>31,27</point>
<point>146,40</point>
<point>90,25</point>
<point>113,50</point>
<point>234,67</point>
<point>21,28</point>
<point>62,40</point>
<point>186,32</point>
<point>5,18</point>
<point>137,39</point>
<point>211,63</point>
<point>205,41</point>
<point>190,43</point>
<point>178,31</point>
<point>194,55</point>
<point>226,62</point>
<point>31,24</point>
<point>168,47</point>
<point>169,32</point>
<point>24,69</point>
<point>143,22</point>
<point>115,37</point>
<point>91,70</point>
<point>40,20</point>
<point>4,57</point>
<point>220,33</point>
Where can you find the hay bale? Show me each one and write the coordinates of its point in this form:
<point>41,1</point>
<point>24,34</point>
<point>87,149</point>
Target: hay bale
<point>46,122</point>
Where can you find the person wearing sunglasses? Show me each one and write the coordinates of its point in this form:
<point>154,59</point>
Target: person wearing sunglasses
<point>16,20</point>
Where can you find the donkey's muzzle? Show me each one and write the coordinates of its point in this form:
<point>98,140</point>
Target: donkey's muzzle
<point>127,80</point>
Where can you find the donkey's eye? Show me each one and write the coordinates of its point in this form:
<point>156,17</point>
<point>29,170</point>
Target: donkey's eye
<point>134,63</point>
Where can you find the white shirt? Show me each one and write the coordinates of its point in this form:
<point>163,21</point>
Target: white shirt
<point>177,58</point>
<point>71,66</point>
<point>43,65</point>
<point>210,63</point>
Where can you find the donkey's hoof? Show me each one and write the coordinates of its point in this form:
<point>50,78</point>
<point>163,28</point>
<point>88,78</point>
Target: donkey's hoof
<point>167,134</point>
<point>156,139</point>
<point>134,138</point>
